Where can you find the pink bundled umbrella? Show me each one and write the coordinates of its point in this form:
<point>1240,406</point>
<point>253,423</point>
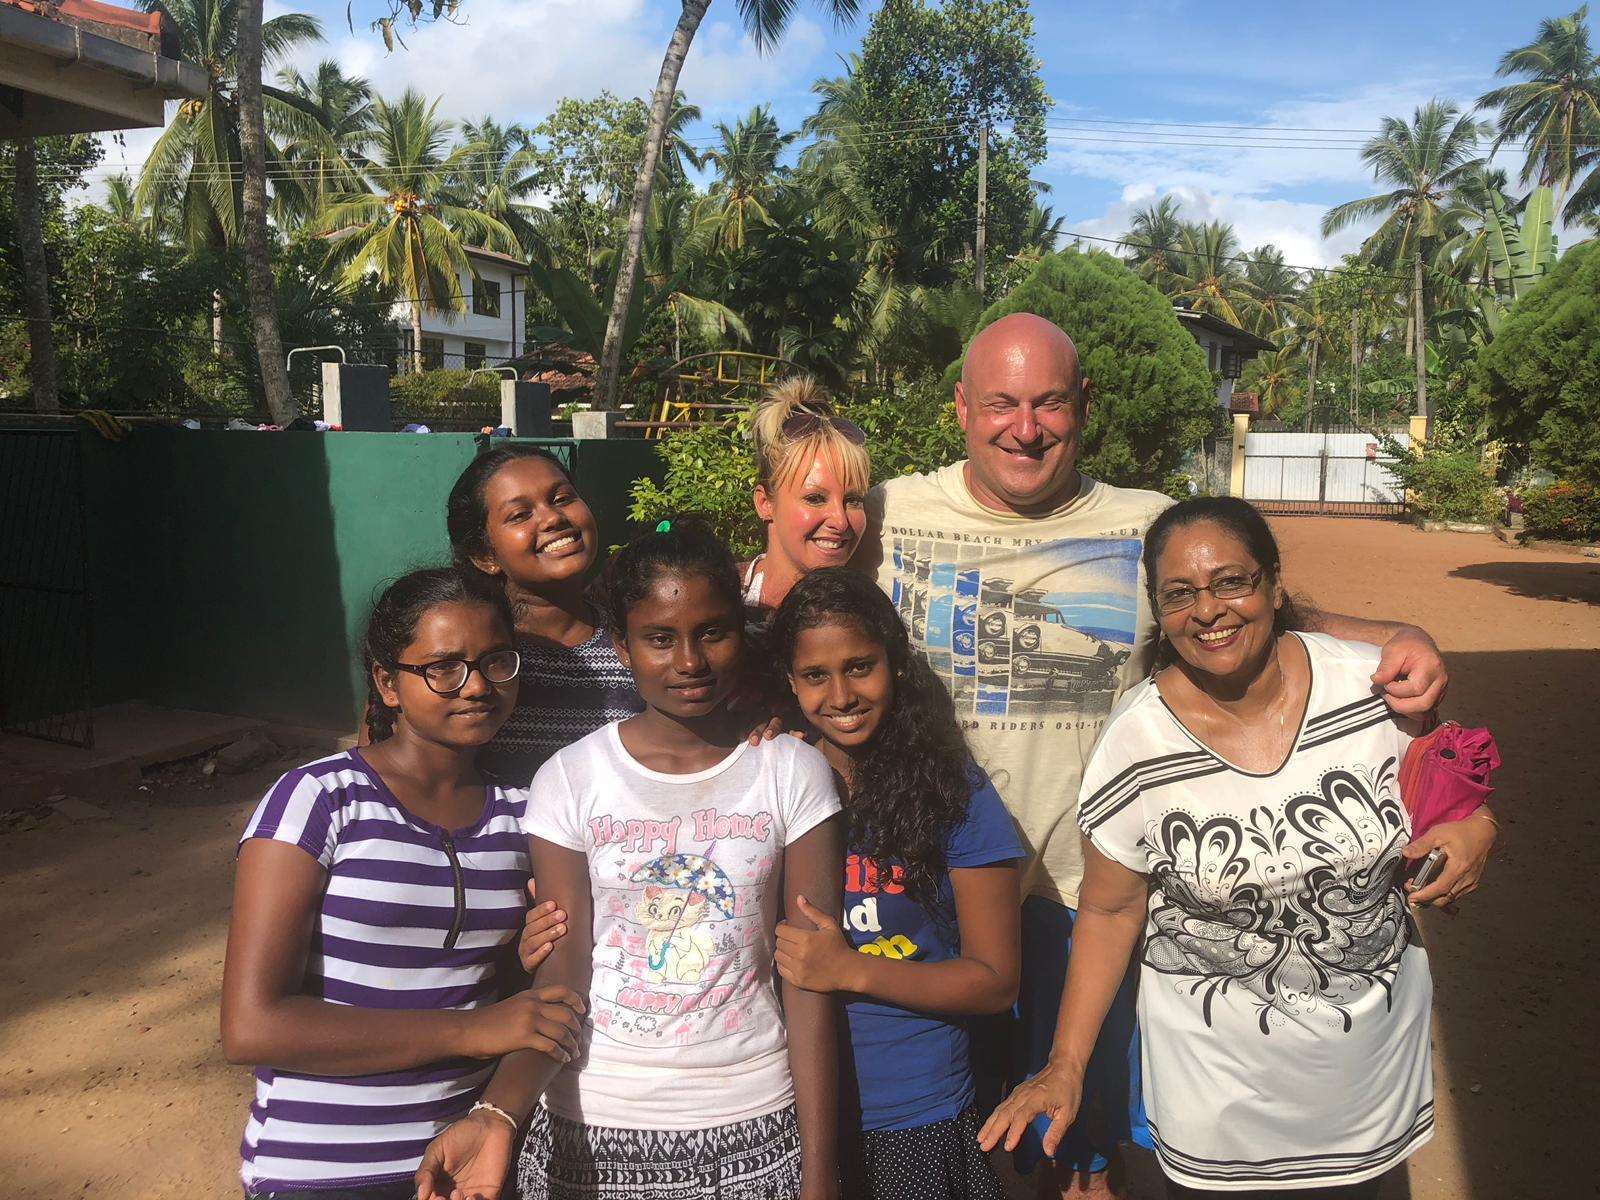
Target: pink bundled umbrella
<point>1445,775</point>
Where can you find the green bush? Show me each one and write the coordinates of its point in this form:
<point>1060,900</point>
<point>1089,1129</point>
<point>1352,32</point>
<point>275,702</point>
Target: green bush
<point>1569,511</point>
<point>446,397</point>
<point>1153,399</point>
<point>1540,377</point>
<point>712,470</point>
<point>1446,485</point>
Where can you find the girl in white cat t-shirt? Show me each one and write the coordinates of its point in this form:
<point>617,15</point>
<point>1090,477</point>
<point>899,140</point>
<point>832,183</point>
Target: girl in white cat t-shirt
<point>674,846</point>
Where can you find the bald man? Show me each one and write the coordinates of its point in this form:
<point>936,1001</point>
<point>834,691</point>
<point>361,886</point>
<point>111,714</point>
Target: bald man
<point>1019,579</point>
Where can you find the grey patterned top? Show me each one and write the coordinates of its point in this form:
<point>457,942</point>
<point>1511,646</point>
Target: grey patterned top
<point>565,693</point>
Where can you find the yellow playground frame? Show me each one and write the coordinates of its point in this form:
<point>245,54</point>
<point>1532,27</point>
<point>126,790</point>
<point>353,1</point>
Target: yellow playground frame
<point>709,386</point>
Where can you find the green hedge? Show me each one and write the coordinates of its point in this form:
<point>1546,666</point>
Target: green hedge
<point>1569,511</point>
<point>1446,485</point>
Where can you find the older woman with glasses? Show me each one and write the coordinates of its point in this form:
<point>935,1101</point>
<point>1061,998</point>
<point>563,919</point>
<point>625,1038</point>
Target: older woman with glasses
<point>812,475</point>
<point>1241,811</point>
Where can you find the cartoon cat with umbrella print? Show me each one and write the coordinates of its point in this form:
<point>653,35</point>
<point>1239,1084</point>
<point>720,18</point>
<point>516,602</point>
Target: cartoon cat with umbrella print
<point>681,890</point>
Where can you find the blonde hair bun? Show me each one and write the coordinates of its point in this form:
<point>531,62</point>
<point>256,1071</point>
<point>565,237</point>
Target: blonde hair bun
<point>778,457</point>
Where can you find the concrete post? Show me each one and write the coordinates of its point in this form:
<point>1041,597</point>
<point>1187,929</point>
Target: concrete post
<point>1241,427</point>
<point>1419,434</point>
<point>525,408</point>
<point>356,398</point>
<point>589,426</point>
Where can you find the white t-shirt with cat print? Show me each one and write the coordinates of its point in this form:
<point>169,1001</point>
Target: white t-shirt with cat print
<point>684,1029</point>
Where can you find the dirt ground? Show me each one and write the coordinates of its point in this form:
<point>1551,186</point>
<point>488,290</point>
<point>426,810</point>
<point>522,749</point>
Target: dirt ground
<point>112,1082</point>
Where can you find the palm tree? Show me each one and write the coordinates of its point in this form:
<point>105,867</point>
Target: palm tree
<point>196,159</point>
<point>28,205</point>
<point>1043,232</point>
<point>1424,161</point>
<point>406,228</point>
<point>1208,278</point>
<point>766,21</point>
<point>320,152</point>
<point>1310,334</point>
<point>894,249</point>
<point>746,161</point>
<point>1154,239</point>
<point>119,202</point>
<point>497,169</point>
<point>1555,110</point>
<point>1275,380</point>
<point>1272,287</point>
<point>201,164</point>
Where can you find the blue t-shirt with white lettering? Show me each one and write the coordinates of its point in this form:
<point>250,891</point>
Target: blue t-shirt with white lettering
<point>911,1068</point>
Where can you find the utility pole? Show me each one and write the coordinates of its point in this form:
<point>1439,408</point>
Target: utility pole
<point>983,207</point>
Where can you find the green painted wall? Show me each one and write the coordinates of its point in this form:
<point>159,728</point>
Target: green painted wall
<point>233,572</point>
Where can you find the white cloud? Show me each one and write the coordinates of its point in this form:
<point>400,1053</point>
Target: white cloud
<point>513,59</point>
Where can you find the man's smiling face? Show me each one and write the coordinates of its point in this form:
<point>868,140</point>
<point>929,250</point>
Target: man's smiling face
<point>1022,401</point>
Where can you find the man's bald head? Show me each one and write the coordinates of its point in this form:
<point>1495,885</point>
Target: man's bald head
<point>1021,401</point>
<point>1021,335</point>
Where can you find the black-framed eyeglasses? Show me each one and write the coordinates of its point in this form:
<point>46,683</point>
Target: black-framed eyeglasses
<point>1229,587</point>
<point>450,674</point>
<point>804,424</point>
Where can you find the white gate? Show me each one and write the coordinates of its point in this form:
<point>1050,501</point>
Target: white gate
<point>1339,469</point>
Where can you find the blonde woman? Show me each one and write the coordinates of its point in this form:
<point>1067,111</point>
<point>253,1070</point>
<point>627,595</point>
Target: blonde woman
<point>812,476</point>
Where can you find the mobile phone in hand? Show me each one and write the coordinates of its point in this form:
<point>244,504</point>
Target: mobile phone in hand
<point>1429,870</point>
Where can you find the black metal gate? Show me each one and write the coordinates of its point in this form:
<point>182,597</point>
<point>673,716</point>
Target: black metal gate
<point>45,625</point>
<point>1334,466</point>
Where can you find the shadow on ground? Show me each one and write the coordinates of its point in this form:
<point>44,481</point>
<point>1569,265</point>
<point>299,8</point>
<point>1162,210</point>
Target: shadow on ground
<point>1539,579</point>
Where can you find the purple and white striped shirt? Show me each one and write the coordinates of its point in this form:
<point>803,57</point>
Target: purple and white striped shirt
<point>412,917</point>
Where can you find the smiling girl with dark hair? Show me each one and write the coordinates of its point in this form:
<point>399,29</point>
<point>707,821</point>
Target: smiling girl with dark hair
<point>376,891</point>
<point>518,525</point>
<point>675,843</point>
<point>931,923</point>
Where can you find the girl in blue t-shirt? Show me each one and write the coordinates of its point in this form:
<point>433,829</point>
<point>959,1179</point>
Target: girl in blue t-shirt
<point>931,910</point>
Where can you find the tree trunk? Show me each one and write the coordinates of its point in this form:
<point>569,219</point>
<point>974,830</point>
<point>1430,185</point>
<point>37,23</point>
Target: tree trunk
<point>216,323</point>
<point>259,285</point>
<point>1421,341</point>
<point>1311,386</point>
<point>1355,368</point>
<point>416,336</point>
<point>633,249</point>
<point>35,281</point>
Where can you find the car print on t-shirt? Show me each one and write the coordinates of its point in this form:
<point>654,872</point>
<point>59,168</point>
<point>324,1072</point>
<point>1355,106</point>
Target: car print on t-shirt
<point>1005,646</point>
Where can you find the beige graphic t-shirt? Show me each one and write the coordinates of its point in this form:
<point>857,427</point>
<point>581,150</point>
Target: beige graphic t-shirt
<point>1036,624</point>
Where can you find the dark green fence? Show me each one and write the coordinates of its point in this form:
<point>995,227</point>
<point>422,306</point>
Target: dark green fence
<point>232,572</point>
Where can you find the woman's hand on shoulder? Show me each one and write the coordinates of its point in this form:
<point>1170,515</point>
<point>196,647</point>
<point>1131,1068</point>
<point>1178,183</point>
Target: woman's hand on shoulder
<point>817,959</point>
<point>543,925</point>
<point>468,1160</point>
<point>1466,844</point>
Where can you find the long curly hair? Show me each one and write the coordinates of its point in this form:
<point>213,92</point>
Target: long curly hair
<point>913,784</point>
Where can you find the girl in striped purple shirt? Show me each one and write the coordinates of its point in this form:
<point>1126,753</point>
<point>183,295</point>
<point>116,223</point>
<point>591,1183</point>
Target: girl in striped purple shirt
<point>377,897</point>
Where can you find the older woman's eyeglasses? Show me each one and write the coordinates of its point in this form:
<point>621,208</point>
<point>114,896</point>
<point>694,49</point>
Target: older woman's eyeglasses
<point>804,424</point>
<point>1180,596</point>
<point>449,675</point>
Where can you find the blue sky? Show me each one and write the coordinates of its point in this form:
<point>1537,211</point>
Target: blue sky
<point>1276,67</point>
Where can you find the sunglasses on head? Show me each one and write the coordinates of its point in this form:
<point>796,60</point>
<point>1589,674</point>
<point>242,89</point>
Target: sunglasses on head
<point>804,424</point>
